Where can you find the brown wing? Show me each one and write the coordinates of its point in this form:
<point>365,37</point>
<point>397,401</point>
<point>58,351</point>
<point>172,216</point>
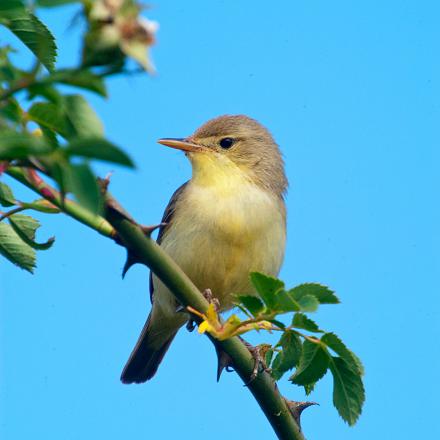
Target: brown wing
<point>167,219</point>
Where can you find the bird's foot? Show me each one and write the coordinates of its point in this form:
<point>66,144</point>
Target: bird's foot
<point>207,293</point>
<point>259,363</point>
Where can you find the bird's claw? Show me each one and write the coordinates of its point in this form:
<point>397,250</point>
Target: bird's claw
<point>259,364</point>
<point>207,293</point>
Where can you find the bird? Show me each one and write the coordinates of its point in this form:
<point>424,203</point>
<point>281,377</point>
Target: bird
<point>228,220</point>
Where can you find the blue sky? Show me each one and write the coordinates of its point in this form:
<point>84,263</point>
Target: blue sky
<point>351,93</point>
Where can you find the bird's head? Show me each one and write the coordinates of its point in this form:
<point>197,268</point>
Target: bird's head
<point>234,143</point>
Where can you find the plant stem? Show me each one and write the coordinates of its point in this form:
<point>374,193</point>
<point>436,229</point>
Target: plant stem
<point>263,387</point>
<point>69,207</point>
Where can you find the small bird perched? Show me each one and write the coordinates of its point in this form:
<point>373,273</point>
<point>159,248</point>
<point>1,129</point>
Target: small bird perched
<point>229,219</point>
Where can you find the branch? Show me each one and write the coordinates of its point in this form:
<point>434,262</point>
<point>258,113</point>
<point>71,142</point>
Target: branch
<point>35,183</point>
<point>148,252</point>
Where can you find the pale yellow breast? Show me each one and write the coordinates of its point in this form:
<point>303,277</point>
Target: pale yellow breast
<point>222,231</point>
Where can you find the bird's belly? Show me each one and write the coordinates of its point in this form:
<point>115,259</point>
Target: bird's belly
<point>217,241</point>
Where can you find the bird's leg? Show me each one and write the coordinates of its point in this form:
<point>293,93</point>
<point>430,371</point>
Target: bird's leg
<point>258,361</point>
<point>207,293</point>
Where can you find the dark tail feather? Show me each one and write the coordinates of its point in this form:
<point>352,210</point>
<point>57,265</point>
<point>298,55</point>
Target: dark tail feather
<point>146,355</point>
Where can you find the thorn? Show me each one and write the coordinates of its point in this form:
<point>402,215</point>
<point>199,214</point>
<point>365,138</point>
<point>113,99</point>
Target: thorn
<point>131,261</point>
<point>190,325</point>
<point>296,408</point>
<point>147,230</point>
<point>224,361</point>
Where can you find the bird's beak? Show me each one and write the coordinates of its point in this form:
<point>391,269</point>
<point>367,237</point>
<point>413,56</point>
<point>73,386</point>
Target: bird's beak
<point>181,144</point>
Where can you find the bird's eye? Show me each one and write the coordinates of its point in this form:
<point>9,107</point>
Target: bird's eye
<point>226,143</point>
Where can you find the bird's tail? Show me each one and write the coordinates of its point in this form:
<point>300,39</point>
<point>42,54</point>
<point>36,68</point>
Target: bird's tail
<point>149,350</point>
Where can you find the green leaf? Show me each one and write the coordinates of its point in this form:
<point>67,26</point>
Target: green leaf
<point>52,3</point>
<point>309,388</point>
<point>82,183</point>
<point>84,79</point>
<point>34,34</point>
<point>308,303</point>
<point>302,321</point>
<point>11,8</point>
<point>82,117</point>
<point>312,365</point>
<point>98,148</point>
<point>332,341</point>
<point>289,356</point>
<point>251,303</point>
<point>10,109</point>
<point>14,249</point>
<point>26,227</point>
<point>284,302</point>
<point>266,287</point>
<point>348,390</point>
<point>51,116</point>
<point>15,145</point>
<point>6,195</point>
<point>322,293</point>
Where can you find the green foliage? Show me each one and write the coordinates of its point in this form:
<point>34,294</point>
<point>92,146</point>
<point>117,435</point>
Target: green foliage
<point>30,30</point>
<point>15,249</point>
<point>70,134</point>
<point>311,357</point>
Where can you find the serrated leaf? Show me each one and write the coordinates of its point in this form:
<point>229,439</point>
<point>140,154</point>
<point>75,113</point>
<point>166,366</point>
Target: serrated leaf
<point>15,145</point>
<point>51,116</point>
<point>322,293</point>
<point>82,183</point>
<point>6,195</point>
<point>98,148</point>
<point>312,365</point>
<point>348,390</point>
<point>335,343</point>
<point>289,356</point>
<point>266,287</point>
<point>82,117</point>
<point>284,302</point>
<point>26,227</point>
<point>35,35</point>
<point>302,321</point>
<point>251,303</point>
<point>15,249</point>
<point>308,303</point>
<point>309,388</point>
<point>84,79</point>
